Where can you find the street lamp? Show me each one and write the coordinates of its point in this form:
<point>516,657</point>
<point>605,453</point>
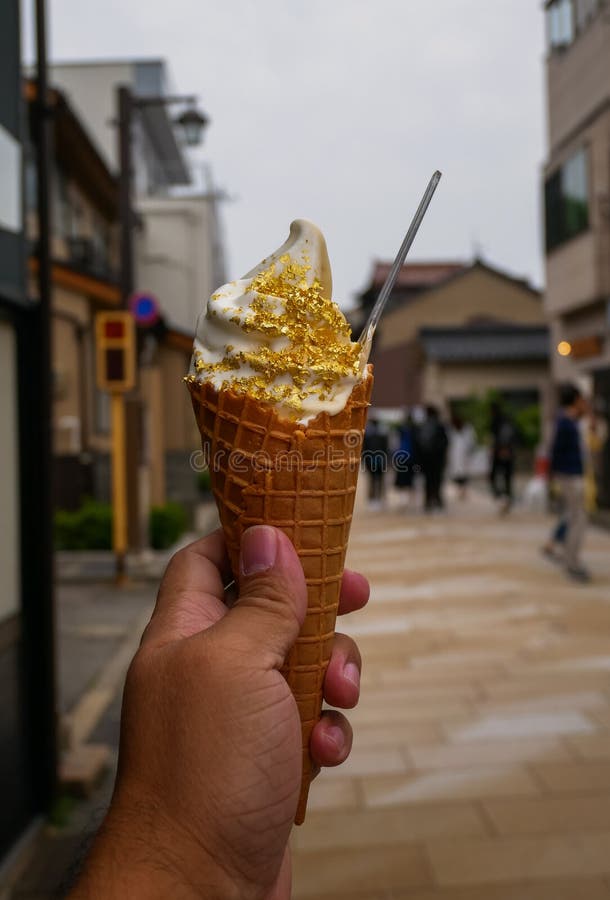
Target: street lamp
<point>192,123</point>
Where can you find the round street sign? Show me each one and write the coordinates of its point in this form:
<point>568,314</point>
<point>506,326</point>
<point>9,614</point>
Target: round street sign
<point>145,309</point>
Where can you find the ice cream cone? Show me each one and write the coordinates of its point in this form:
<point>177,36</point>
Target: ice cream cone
<point>266,469</point>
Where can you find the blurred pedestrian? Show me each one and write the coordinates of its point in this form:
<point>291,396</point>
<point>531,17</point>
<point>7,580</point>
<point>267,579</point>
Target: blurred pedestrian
<point>462,442</point>
<point>595,435</point>
<point>375,458</point>
<point>404,458</point>
<point>431,450</point>
<point>567,471</point>
<point>503,447</point>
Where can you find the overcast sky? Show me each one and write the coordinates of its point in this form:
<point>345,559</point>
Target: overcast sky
<point>339,111</point>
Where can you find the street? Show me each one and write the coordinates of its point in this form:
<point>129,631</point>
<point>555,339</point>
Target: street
<point>481,760</point>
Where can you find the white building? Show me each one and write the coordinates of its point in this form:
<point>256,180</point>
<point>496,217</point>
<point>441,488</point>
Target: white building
<point>178,251</point>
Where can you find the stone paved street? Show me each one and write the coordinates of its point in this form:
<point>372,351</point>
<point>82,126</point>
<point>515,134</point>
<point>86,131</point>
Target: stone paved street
<point>481,761</point>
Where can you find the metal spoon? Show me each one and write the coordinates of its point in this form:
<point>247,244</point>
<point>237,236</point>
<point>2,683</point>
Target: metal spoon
<point>366,338</point>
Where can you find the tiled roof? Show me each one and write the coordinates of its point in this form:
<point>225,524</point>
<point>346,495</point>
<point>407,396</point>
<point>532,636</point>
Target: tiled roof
<point>489,342</point>
<point>417,275</point>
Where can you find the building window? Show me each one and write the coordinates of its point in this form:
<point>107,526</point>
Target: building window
<point>568,18</point>
<point>560,23</point>
<point>567,201</point>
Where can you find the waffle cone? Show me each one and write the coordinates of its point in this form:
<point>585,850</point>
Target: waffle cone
<point>302,479</point>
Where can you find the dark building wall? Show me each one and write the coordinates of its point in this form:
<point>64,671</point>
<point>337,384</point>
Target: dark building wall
<point>398,376</point>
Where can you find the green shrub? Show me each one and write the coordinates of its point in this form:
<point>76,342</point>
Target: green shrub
<point>87,528</point>
<point>476,409</point>
<point>166,525</point>
<point>204,481</point>
<point>527,421</point>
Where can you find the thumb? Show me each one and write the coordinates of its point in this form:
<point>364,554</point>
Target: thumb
<point>272,593</point>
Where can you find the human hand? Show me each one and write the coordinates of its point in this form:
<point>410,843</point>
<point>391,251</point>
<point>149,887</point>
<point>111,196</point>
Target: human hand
<point>210,757</point>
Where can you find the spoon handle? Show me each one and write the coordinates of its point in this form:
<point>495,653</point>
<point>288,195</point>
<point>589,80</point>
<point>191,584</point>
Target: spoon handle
<point>366,338</point>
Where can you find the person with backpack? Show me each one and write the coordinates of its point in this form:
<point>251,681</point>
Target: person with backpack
<point>568,471</point>
<point>404,458</point>
<point>503,448</point>
<point>375,461</point>
<point>431,450</point>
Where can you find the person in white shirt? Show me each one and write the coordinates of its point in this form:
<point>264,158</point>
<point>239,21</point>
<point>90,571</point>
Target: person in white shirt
<point>462,443</point>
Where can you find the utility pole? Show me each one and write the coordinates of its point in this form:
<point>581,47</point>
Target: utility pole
<point>39,590</point>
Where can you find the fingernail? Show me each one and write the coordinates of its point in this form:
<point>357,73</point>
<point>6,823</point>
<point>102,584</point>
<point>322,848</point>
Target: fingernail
<point>352,674</point>
<point>258,549</point>
<point>334,736</point>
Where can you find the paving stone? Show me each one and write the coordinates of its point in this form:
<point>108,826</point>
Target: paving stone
<point>347,871</point>
<point>503,725</point>
<point>333,793</point>
<point>477,753</point>
<point>482,861</point>
<point>364,761</point>
<point>549,814</point>
<point>590,746</point>
<point>583,889</point>
<point>390,732</point>
<point>578,776</point>
<point>411,711</point>
<point>364,828</point>
<point>448,785</point>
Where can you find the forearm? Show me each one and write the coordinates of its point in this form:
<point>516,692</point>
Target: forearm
<point>127,860</point>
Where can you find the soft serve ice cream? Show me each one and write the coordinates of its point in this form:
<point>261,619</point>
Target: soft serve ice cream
<point>276,335</point>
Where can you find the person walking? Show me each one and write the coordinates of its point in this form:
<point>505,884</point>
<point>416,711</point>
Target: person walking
<point>567,470</point>
<point>462,442</point>
<point>431,449</point>
<point>404,458</point>
<point>504,442</point>
<point>375,458</point>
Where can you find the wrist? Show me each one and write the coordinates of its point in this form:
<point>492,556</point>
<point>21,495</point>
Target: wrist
<point>138,853</point>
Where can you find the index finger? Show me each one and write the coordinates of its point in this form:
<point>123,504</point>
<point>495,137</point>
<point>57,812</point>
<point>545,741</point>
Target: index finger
<point>355,592</point>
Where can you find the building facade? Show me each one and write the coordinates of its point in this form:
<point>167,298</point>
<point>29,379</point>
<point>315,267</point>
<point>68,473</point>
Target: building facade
<point>577,202</point>
<point>178,259</point>
<point>463,331</point>
<point>84,254</point>
<point>159,161</point>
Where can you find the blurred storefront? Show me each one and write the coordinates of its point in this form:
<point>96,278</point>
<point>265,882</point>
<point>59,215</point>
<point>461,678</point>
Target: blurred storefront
<point>84,211</point>
<point>577,205</point>
<point>85,280</point>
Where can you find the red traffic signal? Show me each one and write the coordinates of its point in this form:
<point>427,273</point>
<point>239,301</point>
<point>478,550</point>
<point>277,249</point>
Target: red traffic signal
<point>115,351</point>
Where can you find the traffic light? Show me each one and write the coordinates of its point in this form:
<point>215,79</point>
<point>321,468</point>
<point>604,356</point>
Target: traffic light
<point>115,351</point>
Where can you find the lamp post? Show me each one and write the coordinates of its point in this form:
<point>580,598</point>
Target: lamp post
<point>191,122</point>
<point>37,462</point>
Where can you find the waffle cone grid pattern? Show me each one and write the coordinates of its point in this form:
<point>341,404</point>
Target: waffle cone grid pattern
<point>301,479</point>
